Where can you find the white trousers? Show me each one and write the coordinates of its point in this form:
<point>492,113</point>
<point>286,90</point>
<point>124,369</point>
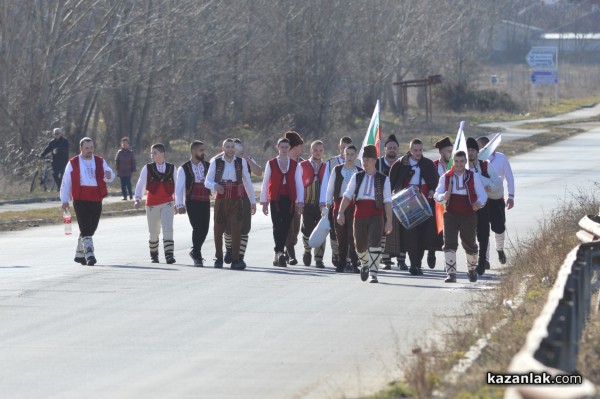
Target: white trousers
<point>160,216</point>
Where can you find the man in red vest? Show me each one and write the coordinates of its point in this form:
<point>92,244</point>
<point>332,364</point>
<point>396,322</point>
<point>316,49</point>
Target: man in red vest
<point>372,196</point>
<point>295,154</point>
<point>463,193</point>
<point>85,181</point>
<point>281,182</point>
<point>157,179</point>
<point>312,172</point>
<point>445,148</point>
<point>228,175</point>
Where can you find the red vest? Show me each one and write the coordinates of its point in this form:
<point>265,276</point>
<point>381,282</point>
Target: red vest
<point>88,193</point>
<point>461,204</point>
<point>308,173</point>
<point>276,187</point>
<point>160,186</point>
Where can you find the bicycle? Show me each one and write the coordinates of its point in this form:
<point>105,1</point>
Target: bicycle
<point>43,176</point>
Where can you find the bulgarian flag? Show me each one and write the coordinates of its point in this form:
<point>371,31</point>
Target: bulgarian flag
<point>373,135</point>
<point>460,144</point>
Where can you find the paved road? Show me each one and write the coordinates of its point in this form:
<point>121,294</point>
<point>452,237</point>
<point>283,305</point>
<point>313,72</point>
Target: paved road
<point>126,328</point>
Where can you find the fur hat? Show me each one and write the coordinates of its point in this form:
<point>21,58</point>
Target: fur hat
<point>472,143</point>
<point>390,139</point>
<point>294,138</point>
<point>370,151</point>
<point>443,143</point>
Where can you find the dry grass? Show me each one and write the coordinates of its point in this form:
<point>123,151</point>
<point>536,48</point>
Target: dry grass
<point>535,260</point>
<point>588,362</point>
<point>18,220</point>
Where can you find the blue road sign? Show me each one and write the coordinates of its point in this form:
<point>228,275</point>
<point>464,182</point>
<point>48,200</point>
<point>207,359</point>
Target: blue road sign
<point>544,77</point>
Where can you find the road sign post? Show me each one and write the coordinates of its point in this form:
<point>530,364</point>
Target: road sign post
<point>543,62</point>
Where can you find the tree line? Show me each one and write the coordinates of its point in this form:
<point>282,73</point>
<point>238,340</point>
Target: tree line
<point>173,69</point>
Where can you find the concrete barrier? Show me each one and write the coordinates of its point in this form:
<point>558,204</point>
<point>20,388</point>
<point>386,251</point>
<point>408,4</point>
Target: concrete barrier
<point>552,344</point>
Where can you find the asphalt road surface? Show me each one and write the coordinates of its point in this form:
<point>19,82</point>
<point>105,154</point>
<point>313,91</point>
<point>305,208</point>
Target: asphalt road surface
<point>127,328</point>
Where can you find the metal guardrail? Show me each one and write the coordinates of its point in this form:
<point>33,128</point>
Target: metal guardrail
<point>552,343</point>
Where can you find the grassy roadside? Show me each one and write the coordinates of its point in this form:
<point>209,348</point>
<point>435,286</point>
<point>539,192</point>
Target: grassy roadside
<point>18,220</point>
<point>536,261</point>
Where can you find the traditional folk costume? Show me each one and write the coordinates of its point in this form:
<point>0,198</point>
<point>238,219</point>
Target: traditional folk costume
<point>312,174</point>
<point>421,174</point>
<point>329,165</point>
<point>158,182</point>
<point>493,186</point>
<point>369,193</point>
<point>246,226</point>
<point>292,237</point>
<point>465,190</point>
<point>338,183</point>
<point>191,193</point>
<point>438,240</point>
<point>233,176</point>
<point>281,183</point>
<point>382,165</point>
<point>84,181</point>
<point>497,205</point>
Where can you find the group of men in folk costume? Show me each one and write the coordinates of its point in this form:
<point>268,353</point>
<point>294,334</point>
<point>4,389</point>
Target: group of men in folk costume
<point>355,196</point>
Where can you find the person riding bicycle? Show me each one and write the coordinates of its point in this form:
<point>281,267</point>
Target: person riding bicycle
<point>59,146</point>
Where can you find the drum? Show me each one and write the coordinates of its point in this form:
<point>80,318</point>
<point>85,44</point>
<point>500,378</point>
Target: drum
<point>411,207</point>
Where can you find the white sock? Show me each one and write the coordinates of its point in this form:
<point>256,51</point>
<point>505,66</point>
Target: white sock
<point>450,259</point>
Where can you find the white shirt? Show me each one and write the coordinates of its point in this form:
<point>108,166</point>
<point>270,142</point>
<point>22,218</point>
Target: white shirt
<point>416,178</point>
<point>313,163</point>
<point>440,169</point>
<point>229,174</point>
<point>459,188</point>
<point>502,166</point>
<point>199,177</point>
<point>496,190</point>
<point>140,187</point>
<point>264,191</point>
<point>366,190</point>
<point>346,175</point>
<point>87,176</point>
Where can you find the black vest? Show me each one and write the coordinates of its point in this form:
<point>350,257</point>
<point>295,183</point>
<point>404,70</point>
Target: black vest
<point>190,179</point>
<point>379,183</point>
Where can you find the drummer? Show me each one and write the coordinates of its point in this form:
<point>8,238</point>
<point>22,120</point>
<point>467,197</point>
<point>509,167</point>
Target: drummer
<point>413,169</point>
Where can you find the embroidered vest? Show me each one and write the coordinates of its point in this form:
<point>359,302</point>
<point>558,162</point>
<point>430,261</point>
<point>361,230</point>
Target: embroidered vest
<point>276,181</point>
<point>88,193</point>
<point>339,179</point>
<point>379,183</point>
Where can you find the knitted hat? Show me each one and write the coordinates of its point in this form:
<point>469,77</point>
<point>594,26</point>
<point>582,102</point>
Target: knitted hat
<point>472,143</point>
<point>443,143</point>
<point>370,151</point>
<point>294,138</point>
<point>391,138</point>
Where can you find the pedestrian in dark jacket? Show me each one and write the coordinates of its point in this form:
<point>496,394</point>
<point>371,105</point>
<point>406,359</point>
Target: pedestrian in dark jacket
<point>125,161</point>
<point>59,147</point>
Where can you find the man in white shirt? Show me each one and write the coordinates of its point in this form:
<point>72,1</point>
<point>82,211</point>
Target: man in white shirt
<point>372,195</point>
<point>253,167</point>
<point>157,182</point>
<point>329,165</point>
<point>493,186</point>
<point>497,205</point>
<point>228,176</point>
<point>462,191</point>
<point>281,183</point>
<point>192,197</point>
<point>312,172</point>
<point>85,181</point>
<point>338,182</point>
